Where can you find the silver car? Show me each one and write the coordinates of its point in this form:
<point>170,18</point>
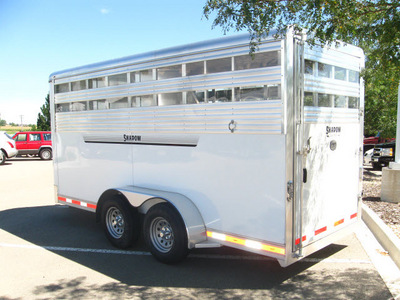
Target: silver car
<point>7,147</point>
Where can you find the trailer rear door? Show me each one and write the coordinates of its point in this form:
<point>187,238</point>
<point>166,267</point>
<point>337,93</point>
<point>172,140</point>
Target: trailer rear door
<point>328,144</point>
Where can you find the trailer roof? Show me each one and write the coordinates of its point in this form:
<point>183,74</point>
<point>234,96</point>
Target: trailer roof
<point>198,47</point>
<point>176,51</point>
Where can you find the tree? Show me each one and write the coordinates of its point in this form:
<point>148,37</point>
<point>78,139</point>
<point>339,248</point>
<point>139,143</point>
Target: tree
<point>373,25</point>
<point>370,22</point>
<point>381,93</point>
<point>43,120</point>
<point>3,122</point>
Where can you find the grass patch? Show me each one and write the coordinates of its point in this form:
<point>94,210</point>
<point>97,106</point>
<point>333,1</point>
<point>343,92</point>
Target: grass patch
<point>13,129</point>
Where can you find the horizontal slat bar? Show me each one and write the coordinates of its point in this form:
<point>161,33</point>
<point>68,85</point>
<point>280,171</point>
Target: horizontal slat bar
<point>256,117</point>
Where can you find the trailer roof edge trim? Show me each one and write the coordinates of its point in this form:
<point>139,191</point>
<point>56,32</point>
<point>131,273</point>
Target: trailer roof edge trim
<point>187,49</point>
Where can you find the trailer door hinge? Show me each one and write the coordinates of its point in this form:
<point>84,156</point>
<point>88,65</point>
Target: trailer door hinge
<point>290,190</point>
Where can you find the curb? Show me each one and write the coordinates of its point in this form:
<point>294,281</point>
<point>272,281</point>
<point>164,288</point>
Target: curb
<point>385,236</point>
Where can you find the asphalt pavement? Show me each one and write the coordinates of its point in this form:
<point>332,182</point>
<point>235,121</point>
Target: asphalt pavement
<point>50,251</point>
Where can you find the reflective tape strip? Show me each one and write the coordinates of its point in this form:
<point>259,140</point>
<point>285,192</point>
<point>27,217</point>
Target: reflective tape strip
<point>302,239</point>
<point>77,202</point>
<point>245,242</point>
<point>323,229</point>
<point>337,223</point>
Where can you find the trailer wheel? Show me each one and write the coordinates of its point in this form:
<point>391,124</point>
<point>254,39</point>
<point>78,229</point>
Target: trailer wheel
<point>120,223</point>
<point>165,234</point>
<point>376,166</point>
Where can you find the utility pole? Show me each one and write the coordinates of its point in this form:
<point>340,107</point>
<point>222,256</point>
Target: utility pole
<point>21,121</point>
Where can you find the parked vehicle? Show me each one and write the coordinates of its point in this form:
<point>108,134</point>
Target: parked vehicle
<point>368,156</point>
<point>7,147</point>
<point>370,142</point>
<point>34,143</point>
<point>204,145</point>
<point>383,154</point>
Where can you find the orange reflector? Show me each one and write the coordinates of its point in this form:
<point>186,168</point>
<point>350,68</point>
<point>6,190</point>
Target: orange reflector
<point>273,249</point>
<point>339,222</point>
<point>234,240</point>
<point>246,243</point>
<point>353,216</point>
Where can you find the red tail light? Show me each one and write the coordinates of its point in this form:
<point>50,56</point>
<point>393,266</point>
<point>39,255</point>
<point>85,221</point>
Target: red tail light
<point>12,146</point>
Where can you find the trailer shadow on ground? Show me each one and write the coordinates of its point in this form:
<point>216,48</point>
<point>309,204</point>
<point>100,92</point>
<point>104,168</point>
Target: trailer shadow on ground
<point>61,229</point>
<point>370,174</point>
<point>24,158</point>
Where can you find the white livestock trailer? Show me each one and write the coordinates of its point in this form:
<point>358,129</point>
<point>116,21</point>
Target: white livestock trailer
<point>203,145</point>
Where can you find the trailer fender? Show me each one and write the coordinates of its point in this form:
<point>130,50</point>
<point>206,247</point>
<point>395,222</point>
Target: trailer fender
<point>144,199</point>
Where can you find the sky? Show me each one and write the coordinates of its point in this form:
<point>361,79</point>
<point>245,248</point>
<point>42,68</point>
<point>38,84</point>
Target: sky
<point>39,37</point>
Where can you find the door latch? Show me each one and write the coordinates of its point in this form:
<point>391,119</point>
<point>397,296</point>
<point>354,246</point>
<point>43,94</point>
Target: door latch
<point>307,148</point>
<point>232,126</point>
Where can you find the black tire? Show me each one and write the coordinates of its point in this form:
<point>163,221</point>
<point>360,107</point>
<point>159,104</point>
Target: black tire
<point>165,234</point>
<point>376,166</point>
<point>46,154</point>
<point>120,222</point>
<point>2,157</point>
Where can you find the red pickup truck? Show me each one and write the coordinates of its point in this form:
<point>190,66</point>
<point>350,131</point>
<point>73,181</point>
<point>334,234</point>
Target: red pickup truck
<point>34,143</point>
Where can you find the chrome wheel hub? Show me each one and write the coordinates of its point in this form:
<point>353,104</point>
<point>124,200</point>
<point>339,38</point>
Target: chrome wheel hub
<point>115,222</point>
<point>161,235</point>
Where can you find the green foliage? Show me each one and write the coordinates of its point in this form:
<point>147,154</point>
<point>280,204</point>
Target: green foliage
<point>381,93</point>
<point>43,120</point>
<point>373,25</point>
<point>367,22</point>
<point>3,122</point>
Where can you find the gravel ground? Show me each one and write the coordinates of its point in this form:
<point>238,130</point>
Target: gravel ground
<point>388,212</point>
